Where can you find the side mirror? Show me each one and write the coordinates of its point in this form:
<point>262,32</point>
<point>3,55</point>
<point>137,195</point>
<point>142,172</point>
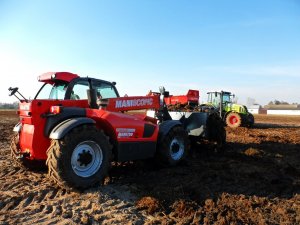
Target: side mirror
<point>12,91</point>
<point>166,94</point>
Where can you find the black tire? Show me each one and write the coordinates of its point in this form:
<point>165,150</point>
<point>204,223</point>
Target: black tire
<point>250,120</point>
<point>173,147</point>
<point>216,132</point>
<point>81,159</point>
<point>24,163</point>
<point>233,120</point>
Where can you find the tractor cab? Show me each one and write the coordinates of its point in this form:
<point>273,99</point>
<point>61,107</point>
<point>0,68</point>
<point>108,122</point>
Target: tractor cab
<point>63,94</point>
<point>217,98</point>
<point>233,114</point>
<point>224,101</point>
<point>68,86</point>
<point>64,89</point>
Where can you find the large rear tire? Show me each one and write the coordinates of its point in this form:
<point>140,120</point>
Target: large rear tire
<point>174,146</point>
<point>216,132</point>
<point>81,159</point>
<point>233,120</point>
<point>250,120</point>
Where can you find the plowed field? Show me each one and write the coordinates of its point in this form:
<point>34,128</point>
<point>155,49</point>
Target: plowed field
<point>256,181</point>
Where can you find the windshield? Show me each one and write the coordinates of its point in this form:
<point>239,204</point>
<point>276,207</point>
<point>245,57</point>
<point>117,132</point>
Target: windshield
<point>226,98</point>
<point>214,98</point>
<point>106,91</point>
<point>52,91</point>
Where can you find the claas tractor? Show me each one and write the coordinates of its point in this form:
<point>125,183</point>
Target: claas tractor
<point>77,126</point>
<point>234,115</point>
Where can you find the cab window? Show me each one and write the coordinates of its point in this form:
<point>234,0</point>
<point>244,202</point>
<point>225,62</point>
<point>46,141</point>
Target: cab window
<point>226,98</point>
<point>52,91</point>
<point>105,90</point>
<point>79,90</point>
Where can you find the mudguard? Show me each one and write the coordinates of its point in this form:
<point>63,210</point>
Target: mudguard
<point>67,113</point>
<point>60,130</point>
<point>166,126</point>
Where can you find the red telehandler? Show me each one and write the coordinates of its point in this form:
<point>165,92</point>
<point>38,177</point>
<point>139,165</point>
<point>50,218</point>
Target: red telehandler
<point>77,126</point>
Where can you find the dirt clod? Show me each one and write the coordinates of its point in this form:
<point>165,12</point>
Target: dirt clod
<point>253,152</point>
<point>149,204</point>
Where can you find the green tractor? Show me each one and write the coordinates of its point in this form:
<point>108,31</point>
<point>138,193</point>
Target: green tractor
<point>234,115</point>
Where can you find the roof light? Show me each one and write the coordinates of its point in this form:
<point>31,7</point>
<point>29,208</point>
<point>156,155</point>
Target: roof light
<point>53,76</point>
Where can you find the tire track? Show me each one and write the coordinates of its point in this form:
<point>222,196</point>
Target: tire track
<point>28,197</point>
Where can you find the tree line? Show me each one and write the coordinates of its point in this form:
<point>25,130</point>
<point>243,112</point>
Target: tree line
<point>277,102</point>
<point>9,105</point>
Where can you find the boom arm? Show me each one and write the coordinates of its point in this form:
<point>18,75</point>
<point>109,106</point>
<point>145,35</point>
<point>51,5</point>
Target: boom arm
<point>133,103</point>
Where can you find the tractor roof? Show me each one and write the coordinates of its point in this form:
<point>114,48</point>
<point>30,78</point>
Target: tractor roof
<point>218,92</point>
<point>50,77</point>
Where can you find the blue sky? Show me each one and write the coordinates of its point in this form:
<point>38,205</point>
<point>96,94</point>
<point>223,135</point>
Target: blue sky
<point>251,48</point>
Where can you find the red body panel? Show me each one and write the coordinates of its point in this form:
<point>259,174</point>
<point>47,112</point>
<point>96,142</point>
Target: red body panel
<point>118,126</point>
<point>26,138</point>
<point>32,139</point>
<point>122,127</point>
<point>191,97</point>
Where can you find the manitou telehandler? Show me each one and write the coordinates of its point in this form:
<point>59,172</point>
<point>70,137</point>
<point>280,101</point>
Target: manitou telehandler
<point>64,127</point>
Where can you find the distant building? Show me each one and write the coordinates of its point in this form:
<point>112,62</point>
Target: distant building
<point>283,109</point>
<point>255,109</point>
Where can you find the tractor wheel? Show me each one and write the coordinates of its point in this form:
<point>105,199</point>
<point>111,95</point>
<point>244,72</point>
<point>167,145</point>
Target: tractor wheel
<point>24,163</point>
<point>233,120</point>
<point>173,147</point>
<point>250,120</point>
<point>81,159</point>
<point>216,132</point>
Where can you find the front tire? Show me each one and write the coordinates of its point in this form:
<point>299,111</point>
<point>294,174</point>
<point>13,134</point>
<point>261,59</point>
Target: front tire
<point>174,146</point>
<point>233,120</point>
<point>81,159</point>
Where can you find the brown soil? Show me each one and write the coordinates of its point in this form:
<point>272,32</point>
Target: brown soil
<point>186,108</point>
<point>256,181</point>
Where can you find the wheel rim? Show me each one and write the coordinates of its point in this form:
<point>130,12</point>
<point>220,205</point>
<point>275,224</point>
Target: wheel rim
<point>86,159</point>
<point>177,148</point>
<point>233,119</point>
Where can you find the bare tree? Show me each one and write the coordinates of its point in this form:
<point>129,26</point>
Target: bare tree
<point>250,101</point>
